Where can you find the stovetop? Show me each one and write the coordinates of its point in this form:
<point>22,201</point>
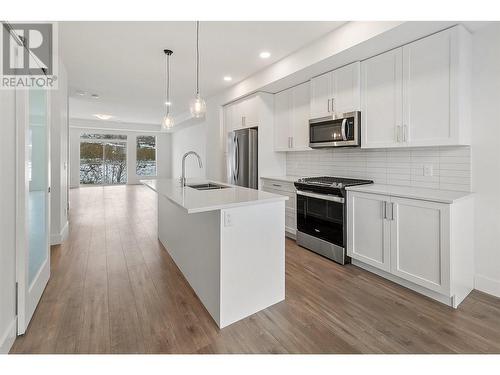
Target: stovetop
<point>332,182</point>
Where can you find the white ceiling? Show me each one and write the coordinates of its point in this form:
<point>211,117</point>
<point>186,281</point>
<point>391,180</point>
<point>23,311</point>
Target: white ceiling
<point>123,62</point>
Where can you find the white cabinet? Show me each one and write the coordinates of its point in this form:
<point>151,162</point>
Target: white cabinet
<point>381,100</point>
<point>284,188</point>
<point>291,119</point>
<point>336,92</point>
<point>419,242</point>
<point>369,231</point>
<point>282,120</point>
<point>418,94</point>
<point>243,113</point>
<point>423,245</point>
<point>321,95</point>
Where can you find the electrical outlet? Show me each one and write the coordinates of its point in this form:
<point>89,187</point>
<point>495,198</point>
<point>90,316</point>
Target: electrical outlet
<point>228,219</point>
<point>428,170</point>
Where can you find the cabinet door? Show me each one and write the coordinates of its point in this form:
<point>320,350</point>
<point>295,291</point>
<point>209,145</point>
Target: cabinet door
<point>228,117</point>
<point>426,90</point>
<point>321,95</point>
<point>282,120</point>
<point>300,117</point>
<point>381,100</point>
<point>368,232</point>
<point>249,111</point>
<point>346,89</point>
<point>420,246</point>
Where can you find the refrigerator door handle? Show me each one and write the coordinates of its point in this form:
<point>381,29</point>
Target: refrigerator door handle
<point>237,169</point>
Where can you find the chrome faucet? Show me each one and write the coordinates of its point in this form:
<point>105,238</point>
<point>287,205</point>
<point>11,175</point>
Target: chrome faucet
<point>183,178</point>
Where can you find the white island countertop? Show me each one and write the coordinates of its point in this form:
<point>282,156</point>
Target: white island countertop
<point>433,195</point>
<point>194,201</point>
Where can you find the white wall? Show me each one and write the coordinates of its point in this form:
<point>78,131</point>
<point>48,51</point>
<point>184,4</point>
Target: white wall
<point>163,156</point>
<point>7,220</point>
<point>486,156</point>
<point>192,138</point>
<point>59,159</point>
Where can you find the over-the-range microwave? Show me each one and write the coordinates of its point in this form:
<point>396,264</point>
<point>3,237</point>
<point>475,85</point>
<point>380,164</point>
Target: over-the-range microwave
<point>334,131</point>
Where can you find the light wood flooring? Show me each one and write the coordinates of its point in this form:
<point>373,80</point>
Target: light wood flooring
<point>114,289</point>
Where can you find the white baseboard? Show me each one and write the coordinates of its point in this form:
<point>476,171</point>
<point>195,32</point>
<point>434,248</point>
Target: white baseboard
<point>487,285</point>
<point>8,337</point>
<point>58,238</point>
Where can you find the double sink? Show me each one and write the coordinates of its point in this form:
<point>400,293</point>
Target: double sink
<point>207,186</point>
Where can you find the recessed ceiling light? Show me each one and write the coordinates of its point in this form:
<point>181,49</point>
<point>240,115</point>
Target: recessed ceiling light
<point>228,78</point>
<point>81,93</point>
<point>94,96</point>
<point>168,104</point>
<point>265,55</point>
<point>103,117</point>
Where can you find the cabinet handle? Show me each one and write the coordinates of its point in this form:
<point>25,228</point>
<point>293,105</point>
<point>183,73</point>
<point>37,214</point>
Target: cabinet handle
<point>277,185</point>
<point>243,120</point>
<point>392,211</point>
<point>404,133</point>
<point>384,204</point>
<point>333,110</point>
<point>328,106</point>
<point>398,133</point>
<point>291,142</point>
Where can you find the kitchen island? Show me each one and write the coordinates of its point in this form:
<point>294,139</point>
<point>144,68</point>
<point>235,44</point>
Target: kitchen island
<point>228,241</point>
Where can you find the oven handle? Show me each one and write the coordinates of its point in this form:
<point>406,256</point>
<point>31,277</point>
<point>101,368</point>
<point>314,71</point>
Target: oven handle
<point>325,197</point>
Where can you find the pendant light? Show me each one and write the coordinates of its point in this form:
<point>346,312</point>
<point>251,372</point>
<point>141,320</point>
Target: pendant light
<point>168,121</point>
<point>197,105</point>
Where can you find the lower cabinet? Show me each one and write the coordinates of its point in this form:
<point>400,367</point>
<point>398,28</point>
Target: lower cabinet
<point>426,246</point>
<point>285,188</point>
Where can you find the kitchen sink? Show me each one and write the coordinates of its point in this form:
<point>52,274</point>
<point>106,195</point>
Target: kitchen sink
<point>207,186</point>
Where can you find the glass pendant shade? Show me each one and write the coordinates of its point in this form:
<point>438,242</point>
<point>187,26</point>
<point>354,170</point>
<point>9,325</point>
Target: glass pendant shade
<point>198,107</point>
<point>167,122</point>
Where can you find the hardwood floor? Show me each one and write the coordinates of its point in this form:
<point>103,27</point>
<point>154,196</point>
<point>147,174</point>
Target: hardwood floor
<point>114,289</point>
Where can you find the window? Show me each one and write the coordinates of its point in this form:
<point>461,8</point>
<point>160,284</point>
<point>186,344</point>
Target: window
<point>146,155</point>
<point>103,159</point>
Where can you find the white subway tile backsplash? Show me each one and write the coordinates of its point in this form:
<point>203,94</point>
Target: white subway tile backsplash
<point>450,165</point>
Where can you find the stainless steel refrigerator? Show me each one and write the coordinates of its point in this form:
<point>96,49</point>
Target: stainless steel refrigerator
<point>243,158</point>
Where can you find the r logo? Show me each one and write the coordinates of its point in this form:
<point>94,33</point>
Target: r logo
<point>36,57</point>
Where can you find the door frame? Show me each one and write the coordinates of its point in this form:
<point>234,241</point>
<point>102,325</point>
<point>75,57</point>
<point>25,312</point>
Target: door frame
<point>28,295</point>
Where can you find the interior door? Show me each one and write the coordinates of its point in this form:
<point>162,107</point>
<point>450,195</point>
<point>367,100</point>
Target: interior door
<point>420,243</point>
<point>33,251</point>
<point>381,100</point>
<point>368,230</point>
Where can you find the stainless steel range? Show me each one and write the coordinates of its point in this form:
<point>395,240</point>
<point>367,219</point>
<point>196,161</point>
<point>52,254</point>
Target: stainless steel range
<point>321,215</point>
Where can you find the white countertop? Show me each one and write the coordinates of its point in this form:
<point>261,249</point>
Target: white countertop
<point>209,200</point>
<point>282,178</point>
<point>433,195</point>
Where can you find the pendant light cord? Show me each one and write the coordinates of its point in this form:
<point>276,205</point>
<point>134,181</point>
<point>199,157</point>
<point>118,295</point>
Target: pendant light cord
<point>168,84</point>
<point>197,57</point>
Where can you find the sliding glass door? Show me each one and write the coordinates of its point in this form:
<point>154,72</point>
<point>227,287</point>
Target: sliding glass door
<point>103,159</point>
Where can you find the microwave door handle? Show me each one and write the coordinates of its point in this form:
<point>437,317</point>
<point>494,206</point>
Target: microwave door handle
<point>343,128</point>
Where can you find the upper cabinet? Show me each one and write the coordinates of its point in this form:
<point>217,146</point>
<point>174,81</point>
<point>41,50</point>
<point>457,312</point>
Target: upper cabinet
<point>291,119</point>
<point>418,94</point>
<point>243,113</point>
<point>336,92</point>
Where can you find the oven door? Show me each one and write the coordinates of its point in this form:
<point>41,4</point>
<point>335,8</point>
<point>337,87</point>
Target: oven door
<point>321,216</point>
